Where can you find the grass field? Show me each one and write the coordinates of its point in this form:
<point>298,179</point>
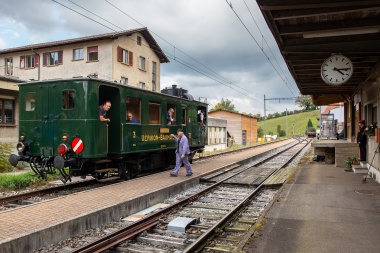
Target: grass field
<point>299,120</point>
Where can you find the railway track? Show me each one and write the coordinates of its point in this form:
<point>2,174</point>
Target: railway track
<point>220,217</point>
<point>39,195</point>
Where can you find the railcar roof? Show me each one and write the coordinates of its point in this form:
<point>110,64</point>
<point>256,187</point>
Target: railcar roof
<point>115,84</point>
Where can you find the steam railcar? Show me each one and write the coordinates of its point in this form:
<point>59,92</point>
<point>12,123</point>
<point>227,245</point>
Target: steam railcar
<point>59,128</point>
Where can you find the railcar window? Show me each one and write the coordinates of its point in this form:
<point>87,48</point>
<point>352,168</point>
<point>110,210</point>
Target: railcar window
<point>134,108</point>
<point>154,112</point>
<point>30,102</point>
<point>184,113</point>
<point>68,99</point>
<point>173,116</point>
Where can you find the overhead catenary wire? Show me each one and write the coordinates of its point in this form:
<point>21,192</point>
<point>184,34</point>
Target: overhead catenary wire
<point>173,57</point>
<point>263,39</point>
<point>174,47</point>
<point>262,50</point>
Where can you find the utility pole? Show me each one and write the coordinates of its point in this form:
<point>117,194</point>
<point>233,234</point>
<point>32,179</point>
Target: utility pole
<point>265,118</point>
<point>286,115</point>
<point>265,111</point>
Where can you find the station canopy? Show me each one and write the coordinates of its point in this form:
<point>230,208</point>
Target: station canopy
<point>308,32</point>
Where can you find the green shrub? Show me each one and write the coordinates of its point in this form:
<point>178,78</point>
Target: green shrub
<point>5,152</point>
<point>18,181</point>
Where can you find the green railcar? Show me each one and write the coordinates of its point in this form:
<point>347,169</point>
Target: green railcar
<point>59,127</point>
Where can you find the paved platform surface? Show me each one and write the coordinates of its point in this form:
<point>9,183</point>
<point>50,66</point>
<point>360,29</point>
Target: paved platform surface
<point>34,226</point>
<point>323,209</point>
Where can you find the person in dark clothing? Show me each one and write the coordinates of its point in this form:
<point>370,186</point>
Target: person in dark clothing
<point>169,116</point>
<point>103,111</point>
<point>361,139</point>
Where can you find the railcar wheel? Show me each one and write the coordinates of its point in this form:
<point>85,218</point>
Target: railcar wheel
<point>123,171</point>
<point>133,172</point>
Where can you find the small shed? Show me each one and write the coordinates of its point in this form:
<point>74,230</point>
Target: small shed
<point>241,127</point>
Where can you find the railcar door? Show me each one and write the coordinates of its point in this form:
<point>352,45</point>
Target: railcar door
<point>44,112</point>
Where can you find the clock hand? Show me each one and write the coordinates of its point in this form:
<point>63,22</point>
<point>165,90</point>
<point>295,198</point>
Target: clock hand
<point>344,69</point>
<point>338,70</point>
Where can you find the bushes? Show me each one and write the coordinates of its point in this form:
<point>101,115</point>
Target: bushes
<point>19,181</point>
<point>5,152</point>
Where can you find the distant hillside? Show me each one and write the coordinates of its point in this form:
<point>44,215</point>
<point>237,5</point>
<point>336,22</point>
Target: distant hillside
<point>299,120</point>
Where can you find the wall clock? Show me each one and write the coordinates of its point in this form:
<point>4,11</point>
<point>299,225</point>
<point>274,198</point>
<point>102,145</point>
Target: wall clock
<point>336,70</point>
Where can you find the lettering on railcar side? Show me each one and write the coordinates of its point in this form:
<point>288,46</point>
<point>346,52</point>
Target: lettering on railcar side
<point>155,137</point>
<point>164,130</point>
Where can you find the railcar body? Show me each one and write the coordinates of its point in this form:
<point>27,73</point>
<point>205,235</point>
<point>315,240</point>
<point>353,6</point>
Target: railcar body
<point>59,128</point>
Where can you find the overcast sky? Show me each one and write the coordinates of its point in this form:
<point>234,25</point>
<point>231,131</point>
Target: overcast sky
<point>234,67</point>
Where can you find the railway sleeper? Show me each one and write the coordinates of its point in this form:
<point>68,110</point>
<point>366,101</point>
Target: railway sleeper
<point>136,248</point>
<point>201,205</point>
<point>162,241</point>
<point>221,248</point>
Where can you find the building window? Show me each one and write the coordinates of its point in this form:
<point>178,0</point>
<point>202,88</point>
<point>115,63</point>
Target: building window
<point>78,54</point>
<point>134,108</point>
<point>142,63</point>
<point>7,111</point>
<point>139,40</point>
<point>8,66</point>
<point>30,102</point>
<point>124,56</point>
<point>154,113</point>
<point>29,61</point>
<point>68,99</point>
<point>52,58</point>
<point>154,76</point>
<point>124,80</point>
<point>142,85</point>
<point>92,53</point>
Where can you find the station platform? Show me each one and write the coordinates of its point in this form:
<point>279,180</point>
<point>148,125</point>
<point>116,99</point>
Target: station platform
<point>322,209</point>
<point>34,226</point>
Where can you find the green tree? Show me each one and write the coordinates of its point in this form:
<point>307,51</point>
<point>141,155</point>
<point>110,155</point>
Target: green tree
<point>305,102</point>
<point>309,123</point>
<point>225,104</point>
<point>260,132</point>
<point>280,132</point>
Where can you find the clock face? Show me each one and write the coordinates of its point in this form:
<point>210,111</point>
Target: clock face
<point>336,70</point>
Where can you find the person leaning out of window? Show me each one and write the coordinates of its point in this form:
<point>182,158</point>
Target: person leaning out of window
<point>103,111</point>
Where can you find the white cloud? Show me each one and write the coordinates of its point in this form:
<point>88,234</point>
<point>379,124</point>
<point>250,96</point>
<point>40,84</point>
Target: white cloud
<point>2,43</point>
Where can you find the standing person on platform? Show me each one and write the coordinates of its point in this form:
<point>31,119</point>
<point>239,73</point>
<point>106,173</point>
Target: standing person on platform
<point>361,139</point>
<point>103,111</point>
<point>182,154</point>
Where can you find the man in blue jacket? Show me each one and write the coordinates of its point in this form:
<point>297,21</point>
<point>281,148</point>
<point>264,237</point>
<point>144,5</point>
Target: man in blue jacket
<point>182,154</point>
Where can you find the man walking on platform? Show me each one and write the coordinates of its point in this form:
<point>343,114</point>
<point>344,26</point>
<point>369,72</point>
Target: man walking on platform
<point>182,154</point>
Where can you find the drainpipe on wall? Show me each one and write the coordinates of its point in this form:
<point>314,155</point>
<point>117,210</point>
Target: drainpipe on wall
<point>39,63</point>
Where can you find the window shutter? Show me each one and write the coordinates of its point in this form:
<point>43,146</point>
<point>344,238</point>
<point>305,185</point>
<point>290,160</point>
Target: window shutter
<point>45,58</point>
<point>36,60</point>
<point>119,54</point>
<point>130,58</point>
<point>92,49</point>
<point>60,57</point>
<point>22,61</point>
